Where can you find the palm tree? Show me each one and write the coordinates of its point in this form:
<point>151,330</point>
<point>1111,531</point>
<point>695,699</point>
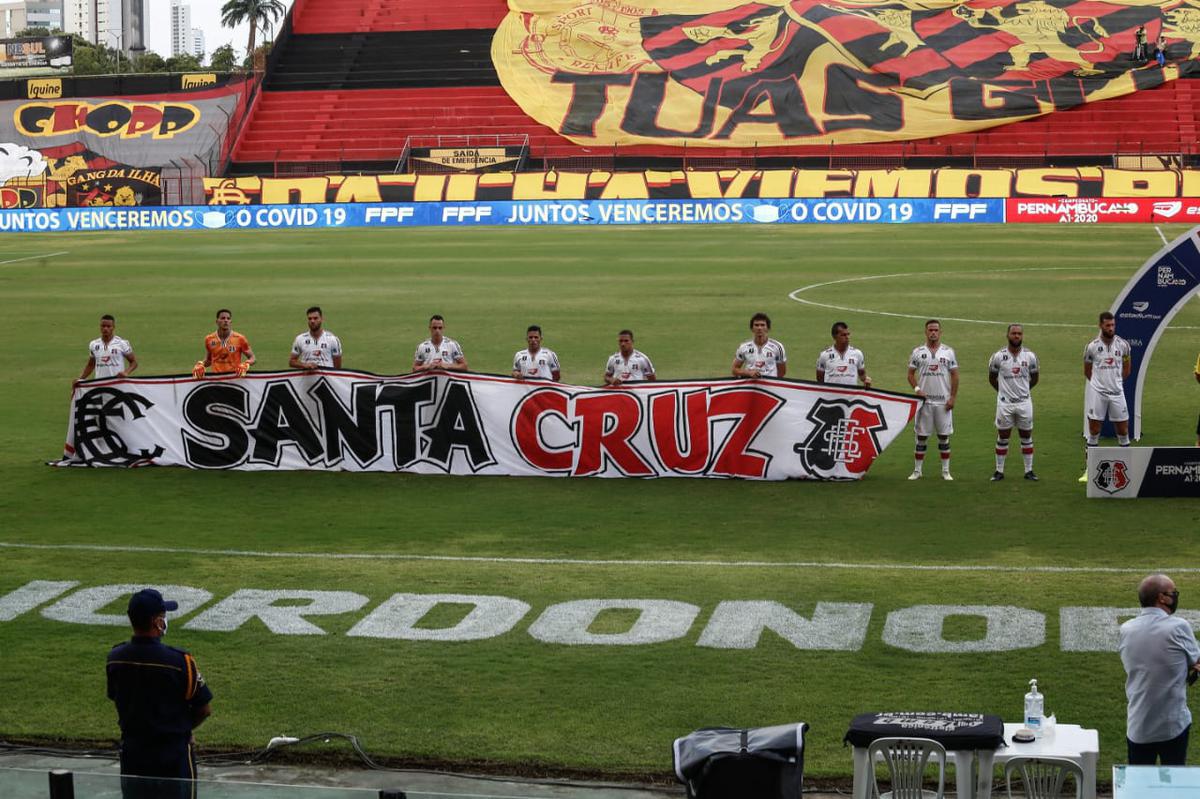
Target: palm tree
<point>260,13</point>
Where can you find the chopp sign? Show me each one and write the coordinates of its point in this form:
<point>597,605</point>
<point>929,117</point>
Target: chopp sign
<point>732,623</point>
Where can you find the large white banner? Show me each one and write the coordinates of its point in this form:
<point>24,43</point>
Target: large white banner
<point>485,424</point>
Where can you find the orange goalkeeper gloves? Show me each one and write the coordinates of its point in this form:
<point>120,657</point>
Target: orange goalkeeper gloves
<point>243,368</point>
<point>198,370</point>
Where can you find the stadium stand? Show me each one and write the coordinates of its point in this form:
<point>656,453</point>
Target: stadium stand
<point>350,81</point>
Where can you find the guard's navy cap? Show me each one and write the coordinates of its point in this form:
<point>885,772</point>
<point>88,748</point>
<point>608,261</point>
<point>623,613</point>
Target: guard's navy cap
<point>148,603</point>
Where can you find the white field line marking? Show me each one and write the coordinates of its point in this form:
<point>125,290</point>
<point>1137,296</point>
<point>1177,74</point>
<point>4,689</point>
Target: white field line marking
<point>35,257</point>
<point>1161,236</point>
<point>793,295</point>
<point>718,564</point>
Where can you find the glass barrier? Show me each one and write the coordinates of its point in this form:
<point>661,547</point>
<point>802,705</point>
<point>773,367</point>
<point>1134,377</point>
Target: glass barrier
<point>1156,782</point>
<point>23,783</point>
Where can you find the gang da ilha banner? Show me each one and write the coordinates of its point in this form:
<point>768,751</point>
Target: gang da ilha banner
<point>485,424</point>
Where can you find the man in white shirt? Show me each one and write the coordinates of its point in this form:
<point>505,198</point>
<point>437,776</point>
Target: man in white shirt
<point>1013,372</point>
<point>842,364</point>
<point>535,362</point>
<point>317,348</point>
<point>110,355</point>
<point>1160,655</point>
<point>761,356</point>
<point>933,372</point>
<point>1106,364</point>
<point>627,365</point>
<point>437,351</point>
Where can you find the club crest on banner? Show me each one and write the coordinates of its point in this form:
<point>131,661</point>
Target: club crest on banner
<point>96,440</point>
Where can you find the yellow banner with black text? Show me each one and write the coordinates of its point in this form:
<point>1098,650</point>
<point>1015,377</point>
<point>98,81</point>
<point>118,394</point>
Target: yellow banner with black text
<point>734,183</point>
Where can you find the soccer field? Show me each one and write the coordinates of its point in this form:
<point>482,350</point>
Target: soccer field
<point>884,557</point>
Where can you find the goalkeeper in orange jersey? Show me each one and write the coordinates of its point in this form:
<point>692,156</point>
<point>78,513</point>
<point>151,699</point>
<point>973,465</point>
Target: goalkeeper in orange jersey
<point>225,349</point>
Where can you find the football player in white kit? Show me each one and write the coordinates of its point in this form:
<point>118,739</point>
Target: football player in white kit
<point>110,355</point>
<point>627,365</point>
<point>318,348</point>
<point>761,356</point>
<point>842,364</point>
<point>933,372</point>
<point>1106,364</point>
<point>1013,372</point>
<point>437,351</point>
<point>535,362</point>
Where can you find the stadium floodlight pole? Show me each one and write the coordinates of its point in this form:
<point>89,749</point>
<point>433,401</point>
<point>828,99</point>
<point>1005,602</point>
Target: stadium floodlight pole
<point>120,42</point>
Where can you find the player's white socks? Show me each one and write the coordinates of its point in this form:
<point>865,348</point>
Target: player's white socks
<point>944,451</point>
<point>1027,453</point>
<point>1093,441</point>
<point>1001,454</point>
<point>919,456</point>
<point>1123,441</point>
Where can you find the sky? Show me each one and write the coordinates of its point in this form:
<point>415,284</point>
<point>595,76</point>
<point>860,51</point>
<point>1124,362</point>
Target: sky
<point>206,15</point>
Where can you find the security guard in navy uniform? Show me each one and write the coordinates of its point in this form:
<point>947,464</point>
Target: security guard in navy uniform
<point>160,698</point>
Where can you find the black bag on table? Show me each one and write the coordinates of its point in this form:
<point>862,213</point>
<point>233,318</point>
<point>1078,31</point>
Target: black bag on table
<point>728,763</point>
<point>955,731</point>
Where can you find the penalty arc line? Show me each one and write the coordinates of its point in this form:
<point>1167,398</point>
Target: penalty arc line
<point>588,562</point>
<point>792,295</point>
<point>35,257</point>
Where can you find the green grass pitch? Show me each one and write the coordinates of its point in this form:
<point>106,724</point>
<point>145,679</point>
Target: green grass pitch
<point>688,294</point>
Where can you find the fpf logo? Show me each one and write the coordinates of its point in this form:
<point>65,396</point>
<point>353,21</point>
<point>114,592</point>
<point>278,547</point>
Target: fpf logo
<point>1111,476</point>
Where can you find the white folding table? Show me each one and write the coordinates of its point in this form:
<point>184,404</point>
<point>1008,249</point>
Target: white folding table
<point>1068,741</point>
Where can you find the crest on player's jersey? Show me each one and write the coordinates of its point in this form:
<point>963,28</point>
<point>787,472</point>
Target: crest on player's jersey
<point>845,433</point>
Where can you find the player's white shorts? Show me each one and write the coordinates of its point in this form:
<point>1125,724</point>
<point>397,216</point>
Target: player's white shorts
<point>1014,414</point>
<point>934,418</point>
<point>1098,406</point>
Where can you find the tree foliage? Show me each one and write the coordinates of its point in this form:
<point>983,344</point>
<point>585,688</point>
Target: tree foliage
<point>259,13</point>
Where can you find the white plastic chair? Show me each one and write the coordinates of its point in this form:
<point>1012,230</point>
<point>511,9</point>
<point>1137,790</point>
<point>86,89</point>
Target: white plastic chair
<point>1043,777</point>
<point>907,760</point>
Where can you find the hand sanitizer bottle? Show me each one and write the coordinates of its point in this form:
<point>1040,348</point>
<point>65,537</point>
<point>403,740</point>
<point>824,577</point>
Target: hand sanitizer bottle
<point>1034,709</point>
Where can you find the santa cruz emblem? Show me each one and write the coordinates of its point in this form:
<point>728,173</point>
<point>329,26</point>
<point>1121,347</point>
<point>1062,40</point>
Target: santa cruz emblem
<point>1111,476</point>
<point>95,439</point>
<point>846,433</point>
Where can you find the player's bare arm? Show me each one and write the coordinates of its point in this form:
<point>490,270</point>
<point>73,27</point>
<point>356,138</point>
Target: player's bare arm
<point>994,379</point>
<point>820,375</point>
<point>912,381</point>
<point>295,362</point>
<point>865,378</point>
<point>337,362</point>
<point>1087,371</point>
<point>131,364</point>
<point>1126,367</point>
<point>555,375</point>
<point>90,367</point>
<point>251,359</point>
<point>740,371</point>
<point>1033,379</point>
<point>611,380</point>
<point>953,390</point>
<point>781,370</point>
